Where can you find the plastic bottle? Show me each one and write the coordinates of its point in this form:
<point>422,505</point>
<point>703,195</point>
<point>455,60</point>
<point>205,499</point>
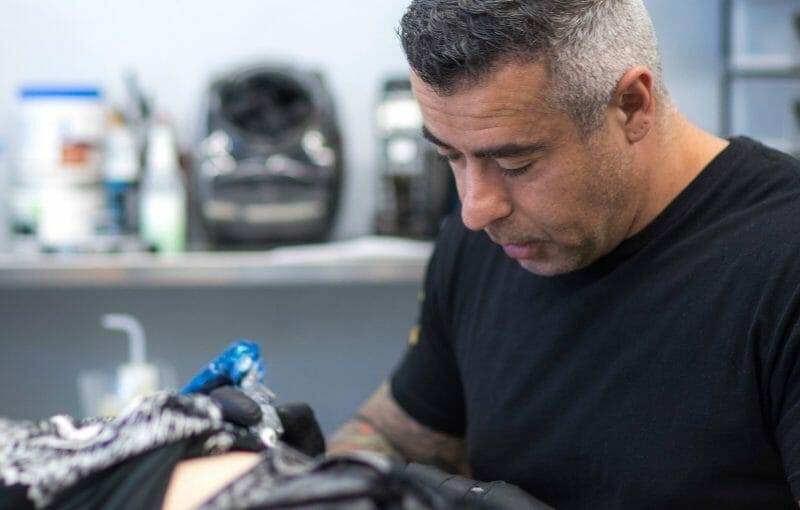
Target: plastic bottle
<point>120,173</point>
<point>136,377</point>
<point>162,203</point>
<point>57,192</point>
<point>106,393</point>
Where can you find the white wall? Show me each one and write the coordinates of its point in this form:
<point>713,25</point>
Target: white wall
<point>176,44</point>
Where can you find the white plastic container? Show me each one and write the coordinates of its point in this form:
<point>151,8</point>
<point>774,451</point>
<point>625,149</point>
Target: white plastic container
<point>69,215</point>
<point>56,161</point>
<point>60,133</point>
<point>105,392</point>
<point>162,207</point>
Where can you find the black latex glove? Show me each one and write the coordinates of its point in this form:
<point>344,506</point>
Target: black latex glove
<point>494,494</point>
<point>237,408</point>
<point>300,428</point>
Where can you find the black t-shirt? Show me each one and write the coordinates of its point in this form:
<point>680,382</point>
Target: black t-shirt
<point>664,375</point>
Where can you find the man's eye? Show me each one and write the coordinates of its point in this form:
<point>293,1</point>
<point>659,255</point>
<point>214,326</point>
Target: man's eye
<point>515,172</point>
<point>450,158</point>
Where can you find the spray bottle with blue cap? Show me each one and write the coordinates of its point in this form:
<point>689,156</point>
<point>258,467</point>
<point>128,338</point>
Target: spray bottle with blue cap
<point>106,393</point>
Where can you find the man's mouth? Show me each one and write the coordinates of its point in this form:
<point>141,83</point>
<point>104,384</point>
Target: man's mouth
<point>521,251</point>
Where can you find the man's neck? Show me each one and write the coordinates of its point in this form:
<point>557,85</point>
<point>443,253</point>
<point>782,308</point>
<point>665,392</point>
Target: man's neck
<point>680,152</point>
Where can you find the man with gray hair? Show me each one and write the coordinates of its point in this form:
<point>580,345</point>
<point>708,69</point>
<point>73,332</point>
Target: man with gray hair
<point>613,319</point>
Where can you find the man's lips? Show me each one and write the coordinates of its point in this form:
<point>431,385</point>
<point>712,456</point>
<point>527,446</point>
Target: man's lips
<point>521,251</point>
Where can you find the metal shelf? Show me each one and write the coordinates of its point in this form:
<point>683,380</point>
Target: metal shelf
<point>755,71</point>
<point>364,261</point>
<point>769,66</point>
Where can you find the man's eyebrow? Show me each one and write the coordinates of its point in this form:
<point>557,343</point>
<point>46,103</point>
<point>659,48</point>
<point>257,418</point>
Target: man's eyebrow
<point>508,150</point>
<point>429,136</point>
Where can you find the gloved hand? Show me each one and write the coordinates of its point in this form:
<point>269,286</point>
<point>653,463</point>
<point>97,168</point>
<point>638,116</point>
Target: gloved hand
<point>300,427</point>
<point>237,408</point>
<point>235,380</point>
<point>495,494</point>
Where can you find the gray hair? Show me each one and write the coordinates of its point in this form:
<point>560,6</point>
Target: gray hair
<point>586,45</point>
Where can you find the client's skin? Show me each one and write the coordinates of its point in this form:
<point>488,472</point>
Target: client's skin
<point>194,481</point>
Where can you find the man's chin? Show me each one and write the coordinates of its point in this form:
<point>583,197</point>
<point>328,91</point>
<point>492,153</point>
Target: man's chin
<point>550,267</point>
<point>541,268</point>
<point>544,258</point>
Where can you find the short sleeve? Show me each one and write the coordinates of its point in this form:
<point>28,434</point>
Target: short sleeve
<point>427,383</point>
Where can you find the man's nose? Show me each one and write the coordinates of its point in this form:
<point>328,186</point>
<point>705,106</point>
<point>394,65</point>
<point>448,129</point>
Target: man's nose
<point>484,198</point>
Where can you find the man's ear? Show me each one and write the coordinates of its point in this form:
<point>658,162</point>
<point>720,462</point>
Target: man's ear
<point>635,100</point>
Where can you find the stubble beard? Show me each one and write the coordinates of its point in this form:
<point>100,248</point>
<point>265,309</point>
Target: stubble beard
<point>610,195</point>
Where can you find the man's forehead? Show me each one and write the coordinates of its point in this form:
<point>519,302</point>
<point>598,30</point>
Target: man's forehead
<point>512,90</point>
<point>487,120</point>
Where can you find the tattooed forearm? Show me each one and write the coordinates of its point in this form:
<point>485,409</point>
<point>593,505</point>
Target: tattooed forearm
<point>382,426</point>
<point>360,435</point>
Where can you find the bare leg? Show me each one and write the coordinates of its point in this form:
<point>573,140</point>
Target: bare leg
<point>195,481</point>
